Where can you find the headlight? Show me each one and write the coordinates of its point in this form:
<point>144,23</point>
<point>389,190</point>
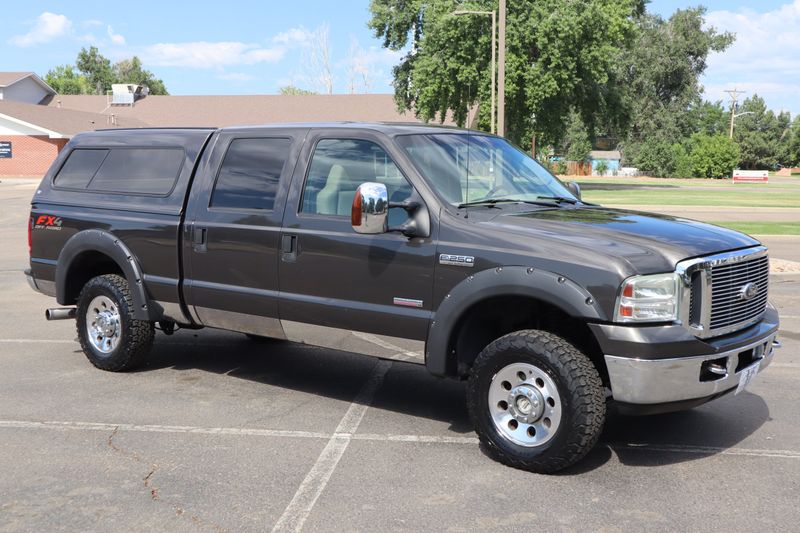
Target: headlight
<point>653,298</point>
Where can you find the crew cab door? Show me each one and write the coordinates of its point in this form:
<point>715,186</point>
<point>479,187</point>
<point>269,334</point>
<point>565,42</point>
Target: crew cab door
<point>232,231</point>
<point>337,284</point>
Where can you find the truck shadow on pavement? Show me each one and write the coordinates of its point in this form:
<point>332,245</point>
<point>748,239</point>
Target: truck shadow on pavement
<point>646,441</point>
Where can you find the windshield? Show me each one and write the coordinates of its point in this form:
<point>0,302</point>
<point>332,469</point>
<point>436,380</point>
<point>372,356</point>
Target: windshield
<point>496,169</point>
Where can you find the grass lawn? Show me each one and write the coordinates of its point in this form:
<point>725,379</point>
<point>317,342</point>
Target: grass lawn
<point>763,228</point>
<point>779,192</point>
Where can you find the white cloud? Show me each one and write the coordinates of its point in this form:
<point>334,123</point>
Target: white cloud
<point>116,38</point>
<point>764,59</point>
<point>299,36</point>
<point>92,22</point>
<point>202,54</point>
<point>48,26</point>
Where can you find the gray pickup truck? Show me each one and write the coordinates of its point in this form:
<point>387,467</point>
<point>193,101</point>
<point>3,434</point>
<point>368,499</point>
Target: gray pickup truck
<point>438,246</point>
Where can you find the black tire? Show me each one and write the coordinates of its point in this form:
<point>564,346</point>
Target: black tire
<point>582,400</point>
<point>135,336</point>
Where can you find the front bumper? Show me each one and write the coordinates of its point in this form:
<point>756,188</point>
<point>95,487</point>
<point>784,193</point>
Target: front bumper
<point>676,380</point>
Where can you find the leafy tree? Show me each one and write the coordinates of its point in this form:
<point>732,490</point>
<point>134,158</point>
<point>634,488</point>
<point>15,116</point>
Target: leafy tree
<point>294,91</point>
<point>96,68</point>
<point>712,156</point>
<point>793,155</point>
<point>709,117</point>
<point>761,134</point>
<point>96,74</point>
<point>131,71</point>
<point>660,73</point>
<point>576,144</point>
<point>601,168</point>
<point>560,56</point>
<point>65,80</point>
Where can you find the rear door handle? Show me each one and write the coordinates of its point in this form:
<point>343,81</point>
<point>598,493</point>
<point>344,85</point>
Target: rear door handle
<point>289,248</point>
<point>200,239</point>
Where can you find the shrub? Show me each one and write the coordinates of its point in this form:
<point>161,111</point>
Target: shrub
<point>601,167</point>
<point>712,156</point>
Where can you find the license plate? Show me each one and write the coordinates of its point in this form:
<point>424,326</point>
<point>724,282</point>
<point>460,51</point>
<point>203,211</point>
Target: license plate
<point>746,376</point>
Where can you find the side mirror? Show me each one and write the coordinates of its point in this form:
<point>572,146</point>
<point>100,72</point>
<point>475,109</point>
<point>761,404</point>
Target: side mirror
<point>574,188</point>
<point>370,210</point>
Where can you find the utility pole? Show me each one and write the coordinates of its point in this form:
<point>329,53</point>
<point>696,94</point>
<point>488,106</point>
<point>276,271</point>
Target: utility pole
<point>734,94</point>
<point>501,76</point>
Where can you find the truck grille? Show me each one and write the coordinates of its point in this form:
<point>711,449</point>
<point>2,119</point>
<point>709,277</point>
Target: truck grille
<point>730,306</point>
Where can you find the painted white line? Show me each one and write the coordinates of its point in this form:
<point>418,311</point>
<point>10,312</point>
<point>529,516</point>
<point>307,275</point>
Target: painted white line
<point>790,316</point>
<point>402,354</point>
<point>101,426</point>
<point>36,341</point>
<point>708,450</point>
<point>296,513</point>
<point>353,418</point>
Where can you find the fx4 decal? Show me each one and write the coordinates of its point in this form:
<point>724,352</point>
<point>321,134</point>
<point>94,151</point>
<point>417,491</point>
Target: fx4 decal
<point>48,222</point>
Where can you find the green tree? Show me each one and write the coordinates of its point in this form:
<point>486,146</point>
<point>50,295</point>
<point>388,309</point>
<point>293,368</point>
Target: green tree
<point>131,71</point>
<point>560,56</point>
<point>709,117</point>
<point>291,90</point>
<point>793,156</point>
<point>96,68</point>
<point>712,156</point>
<point>65,80</point>
<point>576,144</point>
<point>761,134</point>
<point>660,73</point>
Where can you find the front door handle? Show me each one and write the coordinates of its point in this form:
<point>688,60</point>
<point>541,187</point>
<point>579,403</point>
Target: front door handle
<point>200,239</point>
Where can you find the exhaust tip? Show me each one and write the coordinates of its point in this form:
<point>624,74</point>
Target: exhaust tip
<point>61,313</point>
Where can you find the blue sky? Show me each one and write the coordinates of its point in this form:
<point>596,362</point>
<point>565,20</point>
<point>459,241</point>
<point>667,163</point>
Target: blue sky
<point>251,47</point>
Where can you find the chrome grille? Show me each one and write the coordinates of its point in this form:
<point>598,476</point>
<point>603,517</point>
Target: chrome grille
<point>728,306</point>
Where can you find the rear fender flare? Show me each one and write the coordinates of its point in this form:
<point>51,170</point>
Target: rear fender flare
<point>101,241</point>
<point>549,287</point>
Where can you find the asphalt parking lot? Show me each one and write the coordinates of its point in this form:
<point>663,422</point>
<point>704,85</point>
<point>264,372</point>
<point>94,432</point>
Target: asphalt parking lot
<point>220,433</point>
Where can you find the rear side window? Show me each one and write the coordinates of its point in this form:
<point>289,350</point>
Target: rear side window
<point>147,171</point>
<point>80,168</point>
<point>250,174</point>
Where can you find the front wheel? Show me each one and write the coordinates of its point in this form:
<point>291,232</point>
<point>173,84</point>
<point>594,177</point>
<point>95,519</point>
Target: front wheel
<point>536,402</point>
<point>110,336</point>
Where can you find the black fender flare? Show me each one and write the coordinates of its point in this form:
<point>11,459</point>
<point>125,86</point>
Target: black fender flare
<point>95,240</point>
<point>549,287</point>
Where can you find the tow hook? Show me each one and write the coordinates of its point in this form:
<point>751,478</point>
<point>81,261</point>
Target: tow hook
<point>61,313</point>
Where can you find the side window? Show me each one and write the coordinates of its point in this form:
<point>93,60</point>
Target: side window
<point>339,166</point>
<point>250,174</point>
<point>139,170</point>
<point>80,167</point>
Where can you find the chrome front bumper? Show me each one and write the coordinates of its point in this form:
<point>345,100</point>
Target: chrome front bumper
<point>657,381</point>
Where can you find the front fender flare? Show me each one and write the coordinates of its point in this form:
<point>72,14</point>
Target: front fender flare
<point>95,240</point>
<point>549,287</point>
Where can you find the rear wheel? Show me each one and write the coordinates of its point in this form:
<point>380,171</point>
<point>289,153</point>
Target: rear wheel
<point>110,336</point>
<point>536,402</point>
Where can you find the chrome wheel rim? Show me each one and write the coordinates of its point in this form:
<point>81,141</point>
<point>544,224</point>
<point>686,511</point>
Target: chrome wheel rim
<point>103,325</point>
<point>524,404</point>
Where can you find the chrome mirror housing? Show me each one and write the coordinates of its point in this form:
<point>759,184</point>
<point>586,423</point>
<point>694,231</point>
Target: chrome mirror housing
<point>574,188</point>
<point>370,210</point>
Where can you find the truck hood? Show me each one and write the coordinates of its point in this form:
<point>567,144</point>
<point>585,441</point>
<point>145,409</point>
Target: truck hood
<point>648,241</point>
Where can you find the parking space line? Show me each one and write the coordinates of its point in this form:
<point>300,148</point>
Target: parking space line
<point>296,513</point>
<point>353,418</point>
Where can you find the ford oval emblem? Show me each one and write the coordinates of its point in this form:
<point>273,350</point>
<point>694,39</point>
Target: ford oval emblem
<point>748,291</point>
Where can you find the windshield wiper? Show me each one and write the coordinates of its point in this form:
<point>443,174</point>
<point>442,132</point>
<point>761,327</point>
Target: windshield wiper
<point>559,199</point>
<point>493,201</point>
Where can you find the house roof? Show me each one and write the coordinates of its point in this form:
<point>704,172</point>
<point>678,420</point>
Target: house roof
<point>234,110</point>
<point>10,78</point>
<point>57,122</point>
